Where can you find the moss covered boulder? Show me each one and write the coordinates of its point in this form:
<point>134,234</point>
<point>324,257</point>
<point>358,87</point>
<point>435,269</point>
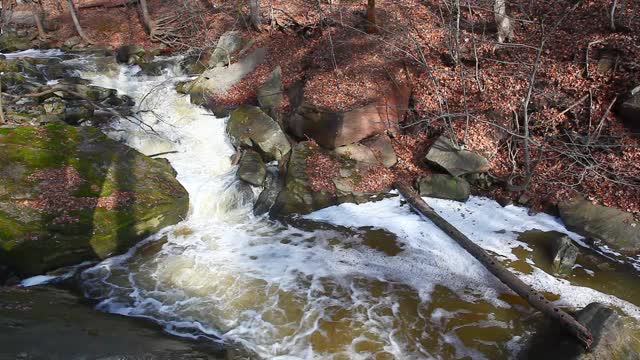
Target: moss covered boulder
<point>317,178</point>
<point>71,194</point>
<point>444,186</point>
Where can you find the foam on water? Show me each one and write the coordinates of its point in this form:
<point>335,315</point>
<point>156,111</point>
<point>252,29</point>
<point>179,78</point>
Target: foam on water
<point>317,292</point>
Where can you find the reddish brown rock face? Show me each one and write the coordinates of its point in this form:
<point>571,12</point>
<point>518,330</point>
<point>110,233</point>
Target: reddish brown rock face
<point>331,129</point>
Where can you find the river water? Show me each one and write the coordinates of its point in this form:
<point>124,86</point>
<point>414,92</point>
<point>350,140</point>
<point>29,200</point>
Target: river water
<point>370,281</point>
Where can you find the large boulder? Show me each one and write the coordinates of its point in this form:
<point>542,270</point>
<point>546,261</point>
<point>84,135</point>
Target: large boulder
<point>612,339</point>
<point>382,148</point>
<point>10,41</point>
<point>270,94</point>
<point>444,154</point>
<point>227,48</point>
<point>317,178</point>
<point>332,129</point>
<point>630,109</point>
<point>602,224</point>
<point>71,194</point>
<point>251,127</point>
<point>215,83</point>
<point>443,186</point>
<point>65,326</point>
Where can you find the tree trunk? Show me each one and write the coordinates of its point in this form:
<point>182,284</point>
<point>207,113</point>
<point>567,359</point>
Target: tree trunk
<point>7,13</point>
<point>76,21</point>
<point>503,23</point>
<point>372,23</point>
<point>534,298</point>
<point>256,20</point>
<point>2,120</point>
<point>37,17</point>
<point>146,18</point>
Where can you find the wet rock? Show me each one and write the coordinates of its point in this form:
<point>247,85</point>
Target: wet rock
<point>444,154</point>
<point>270,94</point>
<point>130,54</point>
<point>77,113</point>
<point>332,129</point>
<point>54,107</point>
<point>74,80</point>
<point>251,168</point>
<point>75,195</point>
<point>611,339</point>
<point>228,46</point>
<point>64,326</point>
<point>251,127</point>
<point>602,225</point>
<point>563,253</point>
<point>382,148</point>
<point>268,196</point>
<point>298,196</point>
<point>444,186</point>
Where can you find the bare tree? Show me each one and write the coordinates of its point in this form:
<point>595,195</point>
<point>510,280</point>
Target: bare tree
<point>38,12</point>
<point>503,23</point>
<point>254,10</point>
<point>7,13</point>
<point>76,21</point>
<point>372,23</point>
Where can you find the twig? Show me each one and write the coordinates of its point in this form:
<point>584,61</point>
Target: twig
<point>574,104</point>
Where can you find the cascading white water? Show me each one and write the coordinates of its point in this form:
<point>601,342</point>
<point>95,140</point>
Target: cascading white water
<point>323,291</point>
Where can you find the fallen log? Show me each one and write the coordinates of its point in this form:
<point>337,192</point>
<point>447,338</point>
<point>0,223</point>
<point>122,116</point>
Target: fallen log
<point>107,4</point>
<point>534,298</point>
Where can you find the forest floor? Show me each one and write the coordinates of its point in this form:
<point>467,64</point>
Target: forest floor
<point>465,84</point>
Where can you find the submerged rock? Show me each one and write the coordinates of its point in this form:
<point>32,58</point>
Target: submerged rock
<point>443,186</point>
<point>251,168</point>
<point>563,253</point>
<point>249,126</point>
<point>50,323</point>
<point>72,194</point>
<point>446,155</point>
<point>601,224</point>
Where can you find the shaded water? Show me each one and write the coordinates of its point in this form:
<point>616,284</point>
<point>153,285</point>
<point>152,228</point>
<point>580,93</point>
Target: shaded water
<point>370,281</point>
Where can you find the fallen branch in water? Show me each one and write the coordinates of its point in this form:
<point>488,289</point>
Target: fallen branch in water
<point>534,298</point>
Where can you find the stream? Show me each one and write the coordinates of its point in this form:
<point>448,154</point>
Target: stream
<point>369,281</point>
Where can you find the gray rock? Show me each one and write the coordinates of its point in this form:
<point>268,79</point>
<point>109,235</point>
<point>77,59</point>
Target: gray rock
<point>611,339</point>
<point>444,186</point>
<point>382,148</point>
<point>268,196</point>
<point>54,107</point>
<point>601,224</point>
<point>64,326</point>
<point>630,109</point>
<point>357,152</point>
<point>563,253</point>
<point>251,168</point>
<point>249,126</point>
<point>229,44</point>
<point>446,155</point>
<point>217,81</point>
<point>77,113</point>
<point>72,42</point>
<point>130,54</point>
<point>270,94</point>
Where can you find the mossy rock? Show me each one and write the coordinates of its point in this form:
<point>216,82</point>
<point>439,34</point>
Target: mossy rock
<point>444,186</point>
<point>10,42</point>
<point>72,194</point>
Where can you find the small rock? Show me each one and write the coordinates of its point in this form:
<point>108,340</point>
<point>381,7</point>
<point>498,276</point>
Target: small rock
<point>229,44</point>
<point>130,54</point>
<point>54,106</point>
<point>357,152</point>
<point>563,253</point>
<point>445,154</point>
<point>251,168</point>
<point>268,196</point>
<point>444,186</point>
<point>382,148</point>
<point>72,42</point>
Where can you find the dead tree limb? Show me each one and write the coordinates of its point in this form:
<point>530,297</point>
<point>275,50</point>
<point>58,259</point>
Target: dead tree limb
<point>534,298</point>
<point>107,4</point>
<point>76,21</point>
